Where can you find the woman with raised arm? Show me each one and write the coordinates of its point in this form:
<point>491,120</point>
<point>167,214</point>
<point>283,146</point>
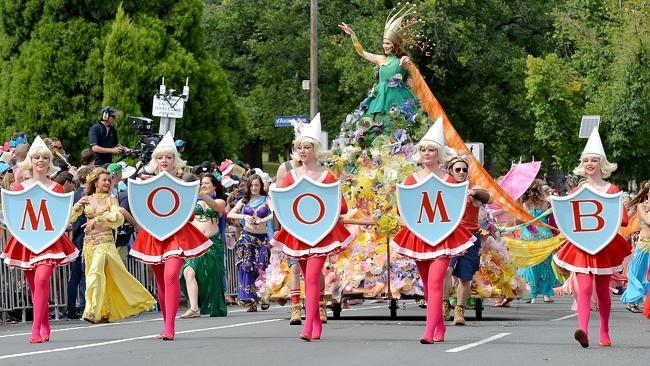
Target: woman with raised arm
<point>167,256</point>
<point>38,268</point>
<point>391,89</point>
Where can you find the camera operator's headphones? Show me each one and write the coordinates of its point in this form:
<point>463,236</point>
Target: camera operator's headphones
<point>107,112</point>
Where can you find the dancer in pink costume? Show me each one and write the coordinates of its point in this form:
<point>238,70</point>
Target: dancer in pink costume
<point>433,261</point>
<point>38,268</point>
<point>595,271</point>
<point>167,256</point>
<point>311,259</point>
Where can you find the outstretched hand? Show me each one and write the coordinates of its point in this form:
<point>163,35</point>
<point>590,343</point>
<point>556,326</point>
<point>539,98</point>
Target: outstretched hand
<point>347,29</point>
<point>405,62</point>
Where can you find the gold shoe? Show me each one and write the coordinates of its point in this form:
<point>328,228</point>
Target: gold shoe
<point>251,306</point>
<point>323,312</point>
<point>191,313</point>
<point>295,315</point>
<point>459,315</point>
<point>446,307</point>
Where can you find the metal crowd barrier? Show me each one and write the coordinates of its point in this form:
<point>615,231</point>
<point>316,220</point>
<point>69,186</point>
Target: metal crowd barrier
<point>15,297</point>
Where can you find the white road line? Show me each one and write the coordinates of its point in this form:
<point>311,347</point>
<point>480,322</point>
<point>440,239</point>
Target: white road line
<point>471,345</point>
<point>564,317</point>
<point>92,326</point>
<point>91,345</point>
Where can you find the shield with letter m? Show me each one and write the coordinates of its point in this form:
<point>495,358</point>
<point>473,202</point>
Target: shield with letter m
<point>432,208</point>
<point>36,216</point>
<point>162,205</point>
<point>308,209</point>
<point>588,218</point>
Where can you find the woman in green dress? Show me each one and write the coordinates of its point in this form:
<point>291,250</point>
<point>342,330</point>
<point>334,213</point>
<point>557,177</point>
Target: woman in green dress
<point>202,278</point>
<point>391,89</point>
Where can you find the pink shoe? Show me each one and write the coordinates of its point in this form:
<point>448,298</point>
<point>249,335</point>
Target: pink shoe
<point>439,338</point>
<point>305,337</point>
<point>35,340</point>
<point>425,340</point>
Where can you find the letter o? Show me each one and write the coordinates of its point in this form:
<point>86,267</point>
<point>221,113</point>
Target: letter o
<point>321,208</point>
<point>177,201</point>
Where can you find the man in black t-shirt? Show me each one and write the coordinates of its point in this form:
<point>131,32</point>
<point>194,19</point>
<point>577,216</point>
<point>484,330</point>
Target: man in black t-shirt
<point>102,137</point>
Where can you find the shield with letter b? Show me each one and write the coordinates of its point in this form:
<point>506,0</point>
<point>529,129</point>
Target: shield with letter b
<point>36,216</point>
<point>162,205</point>
<point>308,209</point>
<point>432,208</point>
<point>588,218</point>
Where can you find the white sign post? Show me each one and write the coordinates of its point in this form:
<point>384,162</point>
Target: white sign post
<point>169,107</point>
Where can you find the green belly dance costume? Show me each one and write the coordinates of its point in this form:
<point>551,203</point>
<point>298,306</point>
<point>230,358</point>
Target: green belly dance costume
<point>209,269</point>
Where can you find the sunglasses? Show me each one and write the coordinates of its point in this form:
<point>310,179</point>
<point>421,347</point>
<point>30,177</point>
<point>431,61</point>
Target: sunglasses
<point>57,146</point>
<point>458,170</point>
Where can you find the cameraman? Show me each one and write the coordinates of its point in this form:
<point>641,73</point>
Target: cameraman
<point>102,137</point>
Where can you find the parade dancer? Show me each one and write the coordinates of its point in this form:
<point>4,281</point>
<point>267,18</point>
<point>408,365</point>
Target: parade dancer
<point>112,293</point>
<point>433,261</point>
<point>309,151</point>
<point>638,283</point>
<point>38,268</point>
<point>167,256</point>
<point>595,270</point>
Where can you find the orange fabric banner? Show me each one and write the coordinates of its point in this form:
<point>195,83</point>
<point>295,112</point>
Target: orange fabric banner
<point>477,174</point>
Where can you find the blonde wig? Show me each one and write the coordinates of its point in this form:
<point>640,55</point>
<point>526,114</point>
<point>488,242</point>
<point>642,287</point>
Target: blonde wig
<point>606,168</point>
<point>318,149</point>
<point>26,165</point>
<point>152,167</point>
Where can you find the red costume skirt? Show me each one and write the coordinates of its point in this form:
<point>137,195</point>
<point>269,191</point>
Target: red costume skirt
<point>607,261</point>
<point>188,242</point>
<point>60,253</point>
<point>334,242</point>
<point>410,245</point>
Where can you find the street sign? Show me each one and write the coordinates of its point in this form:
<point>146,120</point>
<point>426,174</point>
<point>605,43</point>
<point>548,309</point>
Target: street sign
<point>168,107</point>
<point>477,150</point>
<point>588,124</point>
<point>288,121</point>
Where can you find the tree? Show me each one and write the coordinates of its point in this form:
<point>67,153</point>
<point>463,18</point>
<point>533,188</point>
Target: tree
<point>61,61</point>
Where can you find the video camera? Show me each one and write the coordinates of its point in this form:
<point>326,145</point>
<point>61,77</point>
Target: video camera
<point>148,139</point>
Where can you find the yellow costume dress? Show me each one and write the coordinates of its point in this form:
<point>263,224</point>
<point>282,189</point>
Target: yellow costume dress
<point>111,292</point>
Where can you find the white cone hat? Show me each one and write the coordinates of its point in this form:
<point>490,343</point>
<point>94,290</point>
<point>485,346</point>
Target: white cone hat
<point>436,134</point>
<point>594,145</point>
<point>313,130</point>
<point>167,142</point>
<point>36,144</point>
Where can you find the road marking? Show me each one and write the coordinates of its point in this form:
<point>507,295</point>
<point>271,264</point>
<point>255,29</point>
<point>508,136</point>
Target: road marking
<point>471,345</point>
<point>86,327</point>
<point>91,345</point>
<point>564,317</point>
<point>92,326</point>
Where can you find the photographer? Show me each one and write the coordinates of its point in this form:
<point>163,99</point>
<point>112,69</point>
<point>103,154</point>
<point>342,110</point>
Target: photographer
<point>102,137</point>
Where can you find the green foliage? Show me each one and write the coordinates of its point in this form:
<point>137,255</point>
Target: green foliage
<point>62,60</point>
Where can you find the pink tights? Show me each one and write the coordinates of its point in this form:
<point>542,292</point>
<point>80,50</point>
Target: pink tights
<point>312,268</point>
<point>39,285</point>
<point>169,292</point>
<point>585,288</point>
<point>433,273</point>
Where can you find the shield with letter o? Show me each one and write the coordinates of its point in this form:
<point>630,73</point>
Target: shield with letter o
<point>36,216</point>
<point>162,204</point>
<point>308,209</point>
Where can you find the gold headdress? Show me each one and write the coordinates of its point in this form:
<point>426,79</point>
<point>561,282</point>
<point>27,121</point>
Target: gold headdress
<point>398,22</point>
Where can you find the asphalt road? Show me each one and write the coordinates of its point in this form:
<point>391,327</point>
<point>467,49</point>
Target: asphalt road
<point>524,334</point>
